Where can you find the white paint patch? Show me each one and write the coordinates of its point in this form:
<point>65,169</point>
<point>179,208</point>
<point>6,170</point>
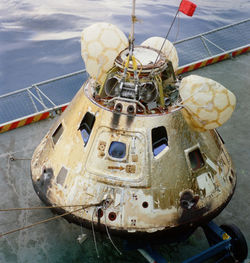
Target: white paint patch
<point>79,182</point>
<point>220,179</point>
<point>67,148</point>
<point>122,197</point>
<point>131,230</point>
<point>212,165</point>
<point>78,168</point>
<point>91,190</point>
<point>117,199</point>
<point>144,55</point>
<point>90,110</point>
<point>152,230</point>
<point>204,182</point>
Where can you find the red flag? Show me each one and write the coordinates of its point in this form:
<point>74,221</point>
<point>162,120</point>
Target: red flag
<point>187,7</point>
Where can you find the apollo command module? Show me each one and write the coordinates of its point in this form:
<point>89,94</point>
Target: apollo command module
<point>137,148</point>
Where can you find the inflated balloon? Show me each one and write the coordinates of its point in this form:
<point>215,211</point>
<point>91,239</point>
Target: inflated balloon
<point>168,49</point>
<point>100,44</point>
<point>207,104</point>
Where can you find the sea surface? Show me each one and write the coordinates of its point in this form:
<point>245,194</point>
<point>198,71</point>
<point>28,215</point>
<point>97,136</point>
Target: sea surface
<point>40,39</point>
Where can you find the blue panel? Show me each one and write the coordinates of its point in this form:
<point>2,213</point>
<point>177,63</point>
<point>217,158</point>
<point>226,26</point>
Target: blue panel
<point>85,136</point>
<point>159,149</point>
<point>117,150</point>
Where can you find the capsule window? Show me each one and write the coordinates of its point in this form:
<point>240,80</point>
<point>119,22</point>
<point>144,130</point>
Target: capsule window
<point>86,126</point>
<point>57,133</point>
<point>159,140</point>
<point>117,150</point>
<point>196,159</point>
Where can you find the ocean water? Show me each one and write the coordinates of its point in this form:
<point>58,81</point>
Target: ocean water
<point>40,39</point>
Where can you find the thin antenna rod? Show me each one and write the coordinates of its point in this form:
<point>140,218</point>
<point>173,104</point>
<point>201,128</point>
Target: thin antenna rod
<point>133,20</point>
<point>167,34</point>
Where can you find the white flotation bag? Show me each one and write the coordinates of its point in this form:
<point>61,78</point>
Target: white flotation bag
<point>168,49</point>
<point>207,104</point>
<point>100,44</point>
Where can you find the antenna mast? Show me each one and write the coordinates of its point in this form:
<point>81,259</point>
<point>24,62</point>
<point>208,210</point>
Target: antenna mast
<point>130,56</point>
<point>133,20</point>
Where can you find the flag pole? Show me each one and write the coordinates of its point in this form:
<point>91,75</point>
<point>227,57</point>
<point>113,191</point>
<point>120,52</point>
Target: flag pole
<point>168,32</point>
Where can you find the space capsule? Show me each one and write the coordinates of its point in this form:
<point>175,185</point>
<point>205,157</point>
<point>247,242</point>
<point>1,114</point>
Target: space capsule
<point>137,147</point>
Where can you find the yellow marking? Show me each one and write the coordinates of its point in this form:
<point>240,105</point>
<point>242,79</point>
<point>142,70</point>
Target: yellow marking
<point>238,52</point>
<point>203,64</point>
<point>21,123</point>
<point>127,62</point>
<point>215,60</point>
<point>191,67</point>
<point>179,71</point>
<point>134,63</point>
<point>5,128</point>
<point>225,236</point>
<point>37,117</point>
<point>159,81</point>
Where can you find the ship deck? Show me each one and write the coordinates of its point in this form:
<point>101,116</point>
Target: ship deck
<point>55,241</point>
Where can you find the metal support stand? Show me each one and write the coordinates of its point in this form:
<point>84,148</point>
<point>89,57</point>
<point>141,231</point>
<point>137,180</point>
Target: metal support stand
<point>218,240</point>
<point>225,241</point>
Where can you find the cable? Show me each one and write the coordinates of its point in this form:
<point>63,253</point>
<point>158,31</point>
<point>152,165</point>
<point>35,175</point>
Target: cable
<point>40,222</point>
<point>49,219</point>
<point>110,236</point>
<point>93,231</point>
<point>45,207</point>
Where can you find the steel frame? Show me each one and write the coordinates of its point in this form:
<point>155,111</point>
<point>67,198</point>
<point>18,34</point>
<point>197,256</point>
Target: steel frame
<point>218,239</point>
